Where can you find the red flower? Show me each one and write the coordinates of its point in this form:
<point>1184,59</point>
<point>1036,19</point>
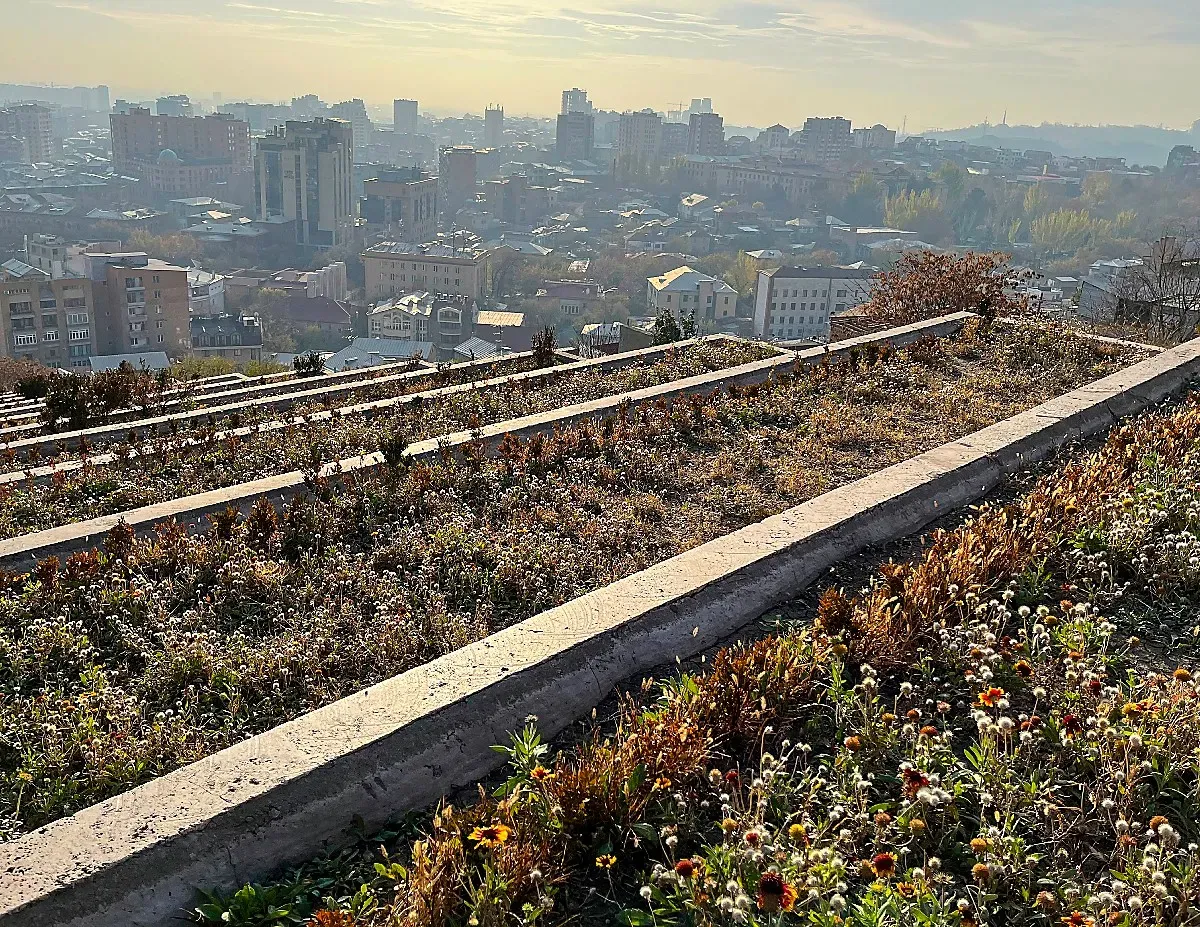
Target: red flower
<point>989,697</point>
<point>914,781</point>
<point>1071,725</point>
<point>774,894</point>
<point>884,865</point>
<point>686,868</point>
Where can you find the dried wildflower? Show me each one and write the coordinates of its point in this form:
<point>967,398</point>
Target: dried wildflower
<point>853,743</point>
<point>981,873</point>
<point>979,845</point>
<point>491,836</point>
<point>1182,675</point>
<point>729,825</point>
<point>928,731</point>
<point>605,861</point>
<point>882,819</point>
<point>916,826</point>
<point>884,865</point>
<point>1157,821</point>
<point>774,894</point>
<point>1046,901</point>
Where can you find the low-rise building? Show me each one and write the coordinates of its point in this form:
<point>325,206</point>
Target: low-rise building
<point>798,302</point>
<point>689,294</point>
<point>238,338</point>
<point>569,297</point>
<point>396,268</point>
<point>371,352</point>
<point>443,320</point>
<point>321,312</point>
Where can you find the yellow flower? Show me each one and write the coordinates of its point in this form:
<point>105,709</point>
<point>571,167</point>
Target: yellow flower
<point>606,861</point>
<point>491,836</point>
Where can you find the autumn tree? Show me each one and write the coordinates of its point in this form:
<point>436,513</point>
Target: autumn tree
<point>924,284</point>
<point>922,213</point>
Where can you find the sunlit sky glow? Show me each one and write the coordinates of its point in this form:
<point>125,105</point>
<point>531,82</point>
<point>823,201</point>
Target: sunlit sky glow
<point>941,63</point>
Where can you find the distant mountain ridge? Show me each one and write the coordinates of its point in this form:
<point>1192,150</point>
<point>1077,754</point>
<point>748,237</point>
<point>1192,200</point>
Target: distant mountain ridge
<point>1144,145</point>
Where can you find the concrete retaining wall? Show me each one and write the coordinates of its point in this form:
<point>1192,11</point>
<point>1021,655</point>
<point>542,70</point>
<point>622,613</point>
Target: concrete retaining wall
<point>277,798</point>
<point>21,552</point>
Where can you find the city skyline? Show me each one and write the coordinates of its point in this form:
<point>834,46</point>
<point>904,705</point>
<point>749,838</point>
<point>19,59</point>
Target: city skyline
<point>939,64</point>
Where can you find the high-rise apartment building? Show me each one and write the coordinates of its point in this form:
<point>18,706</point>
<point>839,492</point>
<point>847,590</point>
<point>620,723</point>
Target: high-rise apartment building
<point>493,127</point>
<point>46,317</point>
<point>177,105</point>
<point>640,135</point>
<point>93,98</point>
<point>674,140</point>
<point>354,112</point>
<point>304,172</point>
<point>457,174</point>
<point>576,137</point>
<point>31,123</point>
<point>141,303</point>
<point>180,155</point>
<point>403,204</point>
<point>825,140</point>
<point>706,135</point>
<point>575,101</point>
<point>404,116</point>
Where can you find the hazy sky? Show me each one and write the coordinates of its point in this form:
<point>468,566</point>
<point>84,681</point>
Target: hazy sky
<point>943,63</point>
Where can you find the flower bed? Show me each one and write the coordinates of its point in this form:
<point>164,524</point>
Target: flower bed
<point>119,666</point>
<point>173,470</point>
<point>242,404</point>
<point>980,736</point>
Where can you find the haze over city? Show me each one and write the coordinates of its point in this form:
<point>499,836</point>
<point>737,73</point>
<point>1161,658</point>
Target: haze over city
<point>941,63</point>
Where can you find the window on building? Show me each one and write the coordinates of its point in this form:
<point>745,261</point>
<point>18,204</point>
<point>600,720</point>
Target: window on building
<point>51,335</point>
<point>841,293</point>
<point>25,340</point>
<point>162,338</point>
<point>80,334</point>
<point>17,308</point>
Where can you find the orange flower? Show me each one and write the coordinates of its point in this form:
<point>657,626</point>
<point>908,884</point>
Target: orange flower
<point>1078,919</point>
<point>661,784</point>
<point>1182,675</point>
<point>929,731</point>
<point>853,743</point>
<point>981,873</point>
<point>979,846</point>
<point>541,774</point>
<point>883,819</point>
<point>907,890</point>
<point>774,894</point>
<point>884,865</point>
<point>491,836</point>
<point>989,697</point>
<point>1157,821</point>
<point>331,919</point>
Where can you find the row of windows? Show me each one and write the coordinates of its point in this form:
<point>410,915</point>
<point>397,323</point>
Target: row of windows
<point>841,294</point>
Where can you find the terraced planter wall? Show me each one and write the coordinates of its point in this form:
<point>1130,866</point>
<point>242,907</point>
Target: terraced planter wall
<point>275,798</point>
<point>22,551</point>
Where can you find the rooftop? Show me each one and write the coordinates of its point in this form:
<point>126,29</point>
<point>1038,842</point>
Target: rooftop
<point>371,352</point>
<point>685,279</point>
